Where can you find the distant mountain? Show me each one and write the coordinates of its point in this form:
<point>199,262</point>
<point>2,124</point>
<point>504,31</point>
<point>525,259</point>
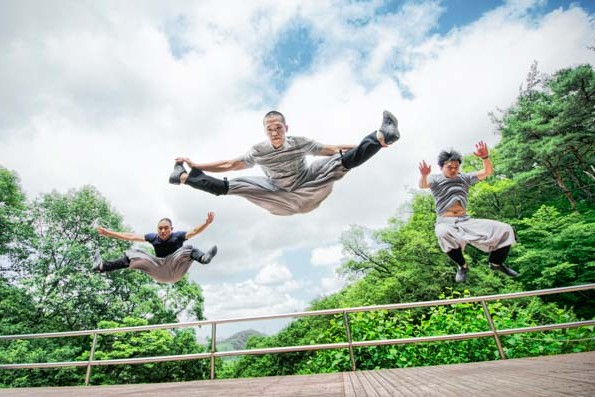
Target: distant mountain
<point>237,341</point>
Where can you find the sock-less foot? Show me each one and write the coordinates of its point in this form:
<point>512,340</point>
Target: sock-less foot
<point>389,130</point>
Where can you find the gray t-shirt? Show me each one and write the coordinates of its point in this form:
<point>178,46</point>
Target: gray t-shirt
<point>285,166</point>
<point>447,191</point>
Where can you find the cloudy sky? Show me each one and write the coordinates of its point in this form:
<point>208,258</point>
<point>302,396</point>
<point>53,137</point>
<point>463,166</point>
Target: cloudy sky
<point>108,93</point>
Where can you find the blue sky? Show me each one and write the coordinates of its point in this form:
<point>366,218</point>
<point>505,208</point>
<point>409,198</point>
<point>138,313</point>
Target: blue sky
<point>295,50</point>
<point>102,84</point>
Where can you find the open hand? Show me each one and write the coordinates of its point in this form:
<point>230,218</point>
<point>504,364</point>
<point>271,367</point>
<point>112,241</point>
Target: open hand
<point>481,150</point>
<point>424,169</point>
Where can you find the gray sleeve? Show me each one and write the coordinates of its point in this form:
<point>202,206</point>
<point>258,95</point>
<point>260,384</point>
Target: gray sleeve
<point>248,158</point>
<point>431,179</point>
<point>308,145</point>
<point>470,178</point>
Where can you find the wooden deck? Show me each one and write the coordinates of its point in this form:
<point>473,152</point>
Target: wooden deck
<point>563,375</point>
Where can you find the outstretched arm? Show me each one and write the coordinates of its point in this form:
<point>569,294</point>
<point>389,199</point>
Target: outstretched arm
<point>329,150</point>
<point>198,229</point>
<point>217,166</point>
<point>127,236</point>
<point>481,151</point>
<point>424,170</point>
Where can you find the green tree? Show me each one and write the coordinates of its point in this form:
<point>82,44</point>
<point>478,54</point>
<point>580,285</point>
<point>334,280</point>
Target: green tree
<point>558,250</point>
<point>57,269</point>
<point>147,344</point>
<point>548,137</point>
<point>12,206</point>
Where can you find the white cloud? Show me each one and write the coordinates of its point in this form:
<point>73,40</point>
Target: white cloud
<point>248,298</point>
<point>331,285</point>
<point>273,274</point>
<point>327,256</point>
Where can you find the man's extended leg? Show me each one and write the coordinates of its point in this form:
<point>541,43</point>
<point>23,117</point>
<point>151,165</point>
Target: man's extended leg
<point>387,134</point>
<point>107,266</point>
<point>199,180</point>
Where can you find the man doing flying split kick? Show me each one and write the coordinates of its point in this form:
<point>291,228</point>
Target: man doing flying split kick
<point>291,185</point>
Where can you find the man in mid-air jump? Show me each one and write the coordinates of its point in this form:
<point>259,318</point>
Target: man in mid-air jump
<point>454,228</point>
<point>291,186</point>
<point>172,258</point>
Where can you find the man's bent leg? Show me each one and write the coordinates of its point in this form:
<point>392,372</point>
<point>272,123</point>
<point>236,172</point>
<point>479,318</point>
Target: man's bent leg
<point>204,258</point>
<point>199,180</point>
<point>445,230</point>
<point>497,258</point>
<point>456,255</point>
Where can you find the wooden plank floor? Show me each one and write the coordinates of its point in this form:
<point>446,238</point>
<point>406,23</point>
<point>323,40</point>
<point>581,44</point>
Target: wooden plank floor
<point>563,375</point>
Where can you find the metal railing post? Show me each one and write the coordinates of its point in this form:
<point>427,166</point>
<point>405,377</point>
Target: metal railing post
<point>91,357</point>
<point>493,328</point>
<point>213,348</point>
<point>349,339</point>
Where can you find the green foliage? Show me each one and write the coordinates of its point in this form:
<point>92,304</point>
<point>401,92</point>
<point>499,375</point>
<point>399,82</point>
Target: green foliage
<point>499,199</point>
<point>18,314</point>
<point>57,268</point>
<point>415,323</point>
<point>549,136</point>
<point>146,344</point>
<point>557,250</point>
<point>48,287</point>
<point>12,206</point>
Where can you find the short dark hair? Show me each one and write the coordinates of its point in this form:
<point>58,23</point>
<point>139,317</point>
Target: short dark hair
<point>449,155</point>
<point>274,113</point>
<point>165,219</point>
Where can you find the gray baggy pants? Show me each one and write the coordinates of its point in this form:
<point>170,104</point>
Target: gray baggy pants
<point>484,234</point>
<point>170,269</point>
<point>312,188</point>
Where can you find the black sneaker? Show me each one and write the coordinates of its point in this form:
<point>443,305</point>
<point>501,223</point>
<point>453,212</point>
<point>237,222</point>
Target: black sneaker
<point>389,129</point>
<point>504,269</point>
<point>97,263</point>
<point>206,258</point>
<point>179,169</point>
<point>461,274</point>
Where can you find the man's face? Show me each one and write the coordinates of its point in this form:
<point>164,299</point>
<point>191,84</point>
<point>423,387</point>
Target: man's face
<point>275,130</point>
<point>164,230</point>
<point>450,169</point>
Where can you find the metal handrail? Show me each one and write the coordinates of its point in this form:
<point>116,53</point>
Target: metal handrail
<point>350,344</point>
